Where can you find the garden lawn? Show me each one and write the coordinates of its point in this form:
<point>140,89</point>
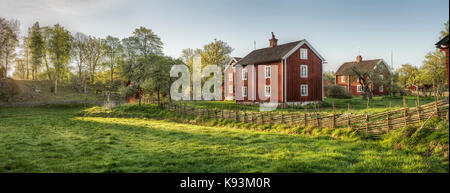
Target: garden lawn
<point>56,140</point>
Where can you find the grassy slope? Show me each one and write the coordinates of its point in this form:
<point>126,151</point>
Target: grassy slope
<point>55,140</point>
<point>377,104</point>
<point>65,93</point>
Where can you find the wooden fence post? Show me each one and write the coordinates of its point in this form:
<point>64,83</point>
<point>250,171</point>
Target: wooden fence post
<point>317,114</point>
<point>405,111</point>
<point>282,118</point>
<point>245,116</point>
<point>418,111</point>
<point>436,101</point>
<point>388,120</point>
<point>334,118</point>
<point>367,116</point>
<point>306,115</point>
<point>349,123</point>
<point>262,118</point>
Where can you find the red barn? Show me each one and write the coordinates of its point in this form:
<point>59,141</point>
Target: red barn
<point>344,77</point>
<point>289,73</point>
<point>443,45</point>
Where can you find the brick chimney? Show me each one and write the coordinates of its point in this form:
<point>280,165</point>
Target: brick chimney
<point>273,41</point>
<point>358,58</point>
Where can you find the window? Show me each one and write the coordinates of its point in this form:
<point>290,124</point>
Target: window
<point>381,76</point>
<point>244,74</point>
<point>267,90</point>
<point>303,53</point>
<point>230,77</point>
<point>359,88</point>
<point>303,71</point>
<point>244,91</point>
<point>343,78</point>
<point>230,89</point>
<point>304,90</point>
<point>267,71</point>
<point>381,89</point>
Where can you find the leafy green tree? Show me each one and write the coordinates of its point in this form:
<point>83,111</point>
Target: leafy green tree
<point>19,69</point>
<point>9,40</point>
<point>159,74</point>
<point>37,46</point>
<point>60,49</point>
<point>94,52</point>
<point>408,75</point>
<point>216,53</point>
<point>445,31</point>
<point>329,76</point>
<point>146,42</point>
<point>434,70</point>
<point>113,49</point>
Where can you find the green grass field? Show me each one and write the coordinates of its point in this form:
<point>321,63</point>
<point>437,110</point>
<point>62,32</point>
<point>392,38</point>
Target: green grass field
<point>57,140</point>
<point>357,105</point>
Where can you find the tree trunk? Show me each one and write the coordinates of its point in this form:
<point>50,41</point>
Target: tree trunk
<point>158,96</point>
<point>139,94</point>
<point>6,65</point>
<point>56,79</point>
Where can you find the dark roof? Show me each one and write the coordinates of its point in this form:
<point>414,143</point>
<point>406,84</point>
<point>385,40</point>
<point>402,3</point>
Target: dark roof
<point>443,41</point>
<point>268,54</point>
<point>236,58</point>
<point>363,66</point>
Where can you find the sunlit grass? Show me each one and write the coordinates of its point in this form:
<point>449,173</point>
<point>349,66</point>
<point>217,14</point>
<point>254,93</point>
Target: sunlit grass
<point>55,140</point>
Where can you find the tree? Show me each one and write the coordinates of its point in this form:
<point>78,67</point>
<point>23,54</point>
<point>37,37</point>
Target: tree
<point>20,69</point>
<point>113,49</point>
<point>79,54</point>
<point>216,53</point>
<point>137,73</point>
<point>60,49</point>
<point>434,70</point>
<point>146,42</point>
<point>37,46</point>
<point>9,40</point>
<point>329,76</point>
<point>159,74</point>
<point>408,75</point>
<point>445,31</point>
<point>95,52</point>
<point>367,79</point>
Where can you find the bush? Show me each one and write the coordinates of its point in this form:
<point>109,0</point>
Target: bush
<point>336,91</point>
<point>9,89</point>
<point>432,139</point>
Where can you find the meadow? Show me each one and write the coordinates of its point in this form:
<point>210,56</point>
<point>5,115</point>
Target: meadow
<point>60,139</point>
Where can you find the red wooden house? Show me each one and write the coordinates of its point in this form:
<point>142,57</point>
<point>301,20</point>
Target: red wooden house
<point>344,76</point>
<point>443,45</point>
<point>289,73</point>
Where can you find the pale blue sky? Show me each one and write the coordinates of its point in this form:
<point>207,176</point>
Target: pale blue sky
<point>336,28</point>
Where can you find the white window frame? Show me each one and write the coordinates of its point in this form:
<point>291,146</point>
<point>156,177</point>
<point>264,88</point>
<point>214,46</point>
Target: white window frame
<point>244,94</point>
<point>303,72</point>
<point>230,76</point>
<point>265,90</point>
<point>343,78</point>
<point>267,71</point>
<point>244,74</point>
<point>303,87</point>
<point>358,88</point>
<point>303,53</point>
<point>381,89</point>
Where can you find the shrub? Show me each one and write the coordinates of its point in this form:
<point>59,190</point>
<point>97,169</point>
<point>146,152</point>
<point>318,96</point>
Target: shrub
<point>9,89</point>
<point>336,91</point>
